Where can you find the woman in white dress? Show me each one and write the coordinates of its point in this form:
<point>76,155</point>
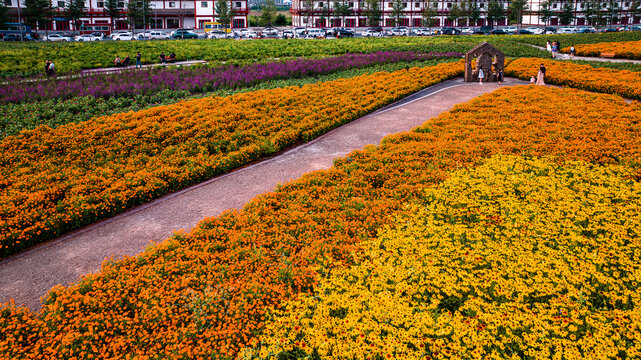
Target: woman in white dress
<point>540,77</point>
<point>548,46</point>
<point>481,75</point>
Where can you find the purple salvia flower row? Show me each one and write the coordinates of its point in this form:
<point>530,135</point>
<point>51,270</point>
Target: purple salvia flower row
<point>195,80</point>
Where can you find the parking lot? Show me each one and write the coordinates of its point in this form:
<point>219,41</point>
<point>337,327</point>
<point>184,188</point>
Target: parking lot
<point>307,33</point>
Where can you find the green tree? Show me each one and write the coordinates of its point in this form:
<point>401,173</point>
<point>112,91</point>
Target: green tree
<point>74,10</point>
<point>112,10</point>
<point>325,14</point>
<point>635,9</point>
<point>374,12</point>
<point>455,13</point>
<point>4,15</point>
<point>590,12</point>
<point>516,9</point>
<point>341,10</point>
<point>567,13</point>
<point>473,12</point>
<point>224,13</point>
<point>494,12</point>
<point>37,13</point>
<point>397,12</point>
<point>429,14</point>
<point>280,20</point>
<point>612,11</point>
<point>308,11</point>
<point>268,13</point>
<point>545,13</point>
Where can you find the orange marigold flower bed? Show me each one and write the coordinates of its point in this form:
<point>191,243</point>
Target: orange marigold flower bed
<point>205,294</point>
<point>621,82</point>
<point>620,49</point>
<point>56,180</point>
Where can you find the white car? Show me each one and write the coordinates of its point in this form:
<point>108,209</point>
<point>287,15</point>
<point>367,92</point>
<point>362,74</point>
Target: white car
<point>400,31</point>
<point>248,34</point>
<point>217,34</point>
<point>56,37</point>
<point>566,30</point>
<point>88,37</point>
<point>126,36</point>
<point>315,34</point>
<point>467,31</point>
<point>372,33</point>
<point>510,29</point>
<point>535,30</point>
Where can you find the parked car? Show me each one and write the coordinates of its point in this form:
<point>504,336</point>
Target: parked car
<point>498,32</point>
<point>269,33</point>
<point>315,34</point>
<point>217,34</point>
<point>88,37</point>
<point>634,28</point>
<point>510,29</point>
<point>585,30</point>
<point>609,30</point>
<point>158,35</point>
<point>287,34</point>
<point>567,30</point>
<point>449,31</point>
<point>299,32</point>
<point>343,32</point>
<point>171,34</point>
<point>400,31</point>
<point>486,29</point>
<point>535,30</point>
<point>123,36</point>
<point>373,32</point>
<point>56,37</point>
<point>18,37</point>
<point>467,31</point>
<point>184,34</point>
<point>525,32</point>
<point>549,30</point>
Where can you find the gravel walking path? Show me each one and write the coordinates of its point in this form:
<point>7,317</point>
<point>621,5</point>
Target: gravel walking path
<point>28,276</point>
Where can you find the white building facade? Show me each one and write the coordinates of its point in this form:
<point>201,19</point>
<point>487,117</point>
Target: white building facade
<point>165,14</point>
<point>322,14</point>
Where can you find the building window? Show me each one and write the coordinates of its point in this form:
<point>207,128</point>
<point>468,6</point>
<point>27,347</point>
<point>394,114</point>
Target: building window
<point>389,4</point>
<point>320,4</point>
<point>481,5</point>
<point>121,4</point>
<point>7,2</point>
<point>82,4</point>
<point>172,4</point>
<point>100,4</point>
<point>351,4</point>
<point>61,4</point>
<point>238,4</point>
<point>418,4</point>
<point>404,5</point>
<point>554,6</point>
<point>627,4</point>
<point>203,4</point>
<point>449,5</point>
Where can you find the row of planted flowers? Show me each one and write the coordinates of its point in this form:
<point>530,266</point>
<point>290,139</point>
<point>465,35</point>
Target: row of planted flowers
<point>197,79</point>
<point>521,256</point>
<point>208,294</point>
<point>55,180</point>
<point>612,81</point>
<point>620,49</point>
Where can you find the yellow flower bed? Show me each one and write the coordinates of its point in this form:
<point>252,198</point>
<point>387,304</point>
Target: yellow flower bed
<point>621,82</point>
<point>56,180</point>
<point>622,49</point>
<point>518,257</point>
<point>207,294</point>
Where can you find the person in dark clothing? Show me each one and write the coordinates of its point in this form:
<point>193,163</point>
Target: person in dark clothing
<point>138,60</point>
<point>172,57</point>
<point>162,58</point>
<point>127,61</point>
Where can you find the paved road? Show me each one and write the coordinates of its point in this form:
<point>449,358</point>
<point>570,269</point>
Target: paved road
<point>28,276</point>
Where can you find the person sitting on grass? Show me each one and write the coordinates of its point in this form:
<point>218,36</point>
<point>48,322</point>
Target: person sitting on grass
<point>172,57</point>
<point>163,59</point>
<point>117,61</point>
<point>127,61</point>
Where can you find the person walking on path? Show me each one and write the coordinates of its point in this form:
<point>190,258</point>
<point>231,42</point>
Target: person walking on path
<point>554,49</point>
<point>138,60</point>
<point>572,52</point>
<point>548,46</point>
<point>499,76</point>
<point>540,77</point>
<point>481,75</point>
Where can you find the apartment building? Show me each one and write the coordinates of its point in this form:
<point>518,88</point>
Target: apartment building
<point>165,14</point>
<point>322,15</point>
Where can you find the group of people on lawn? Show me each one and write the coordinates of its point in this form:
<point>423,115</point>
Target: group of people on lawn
<point>118,62</point>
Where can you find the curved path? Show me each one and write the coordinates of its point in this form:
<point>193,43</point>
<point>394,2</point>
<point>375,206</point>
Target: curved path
<point>28,276</point>
<point>562,56</point>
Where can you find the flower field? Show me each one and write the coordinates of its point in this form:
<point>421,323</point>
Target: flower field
<point>621,49</point>
<point>56,180</point>
<point>197,80</point>
<point>521,213</point>
<point>605,80</point>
